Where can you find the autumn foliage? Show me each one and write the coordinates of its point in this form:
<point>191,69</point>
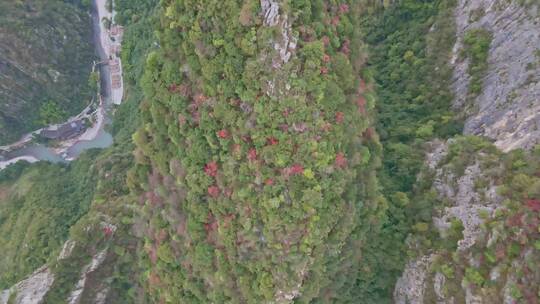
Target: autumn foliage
<point>249,156</point>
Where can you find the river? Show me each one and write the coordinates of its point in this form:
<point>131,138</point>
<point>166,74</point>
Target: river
<point>102,139</point>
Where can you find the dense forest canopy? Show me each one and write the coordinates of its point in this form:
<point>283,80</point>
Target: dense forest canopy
<point>279,152</point>
<point>260,152</point>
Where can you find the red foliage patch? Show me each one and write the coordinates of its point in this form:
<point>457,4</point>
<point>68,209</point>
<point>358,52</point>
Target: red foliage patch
<point>500,252</point>
<point>362,86</point>
<point>297,169</point>
<point>196,116</point>
<point>252,154</point>
<point>200,99</point>
<point>212,224</point>
<point>344,8</point>
<point>515,220</point>
<point>172,88</point>
<point>341,161</point>
<point>335,20</point>
<point>213,191</point>
<point>211,169</point>
<point>181,119</point>
<point>181,228</point>
<point>326,127</point>
<point>228,192</point>
<point>153,198</point>
<point>368,134</point>
<point>326,40</point>
<point>161,236</point>
<point>345,47</point>
<point>533,205</point>
<point>286,112</point>
<point>107,231</point>
<point>530,295</point>
<point>326,58</point>
<point>340,116</point>
<point>223,134</point>
<point>228,219</point>
<point>154,279</point>
<point>181,89</point>
<point>533,223</point>
<point>271,141</point>
<point>293,170</point>
<point>324,70</point>
<point>361,102</point>
<point>269,182</point>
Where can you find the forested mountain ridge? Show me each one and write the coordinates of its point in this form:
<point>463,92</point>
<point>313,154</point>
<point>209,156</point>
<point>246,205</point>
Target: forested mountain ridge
<point>255,173</point>
<point>45,61</point>
<point>256,163</point>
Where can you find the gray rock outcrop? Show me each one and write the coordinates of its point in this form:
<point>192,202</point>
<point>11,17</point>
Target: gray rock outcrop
<point>411,285</point>
<point>507,111</point>
<point>270,11</point>
<point>286,44</point>
<point>31,290</point>
<point>508,108</point>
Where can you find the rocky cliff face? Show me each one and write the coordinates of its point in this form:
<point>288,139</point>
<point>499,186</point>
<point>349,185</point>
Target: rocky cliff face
<point>507,110</point>
<point>483,241</point>
<point>89,288</point>
<point>31,290</point>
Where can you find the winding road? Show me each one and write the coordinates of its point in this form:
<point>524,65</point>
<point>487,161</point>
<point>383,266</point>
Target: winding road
<point>94,137</point>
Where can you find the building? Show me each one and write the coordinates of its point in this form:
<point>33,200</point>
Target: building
<point>116,82</point>
<point>117,31</point>
<point>114,49</point>
<point>114,66</point>
<point>64,131</point>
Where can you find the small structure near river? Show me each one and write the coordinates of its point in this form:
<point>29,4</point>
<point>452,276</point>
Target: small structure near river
<point>64,131</point>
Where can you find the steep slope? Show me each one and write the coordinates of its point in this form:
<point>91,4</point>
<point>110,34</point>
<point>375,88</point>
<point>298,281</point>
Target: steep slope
<point>480,242</point>
<point>37,206</point>
<point>483,243</point>
<point>410,50</point>
<point>90,255</point>
<point>95,264</point>
<point>45,59</point>
<point>497,86</point>
<point>256,162</point>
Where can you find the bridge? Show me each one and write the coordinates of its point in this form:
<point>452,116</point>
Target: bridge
<point>103,62</point>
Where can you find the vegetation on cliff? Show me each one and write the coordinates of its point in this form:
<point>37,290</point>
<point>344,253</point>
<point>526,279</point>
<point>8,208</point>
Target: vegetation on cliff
<point>38,205</point>
<point>476,47</point>
<point>42,205</point>
<point>410,47</point>
<point>493,253</point>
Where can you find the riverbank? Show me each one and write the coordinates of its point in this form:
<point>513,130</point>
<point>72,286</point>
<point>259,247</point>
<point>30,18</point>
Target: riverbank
<point>111,43</point>
<point>107,43</point>
<point>5,164</point>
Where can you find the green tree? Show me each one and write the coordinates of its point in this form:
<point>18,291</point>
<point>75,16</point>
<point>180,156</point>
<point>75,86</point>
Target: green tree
<point>51,113</point>
<point>256,172</point>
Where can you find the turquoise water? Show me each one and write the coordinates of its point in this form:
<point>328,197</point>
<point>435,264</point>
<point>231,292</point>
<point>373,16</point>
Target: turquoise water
<point>38,151</point>
<point>103,138</point>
